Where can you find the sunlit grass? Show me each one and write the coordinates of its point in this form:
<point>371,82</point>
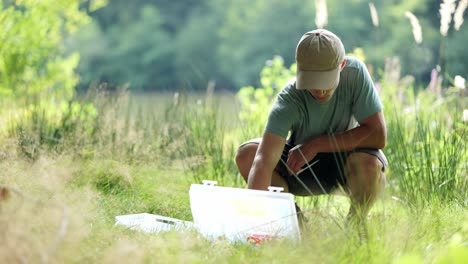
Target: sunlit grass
<point>30,225</point>
<point>146,152</point>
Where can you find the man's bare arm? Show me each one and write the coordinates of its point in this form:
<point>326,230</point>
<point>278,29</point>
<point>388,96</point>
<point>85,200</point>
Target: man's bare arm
<point>267,157</point>
<point>372,133</point>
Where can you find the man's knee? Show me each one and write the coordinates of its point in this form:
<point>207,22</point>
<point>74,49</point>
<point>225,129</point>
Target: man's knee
<point>244,158</point>
<point>246,153</point>
<point>365,170</point>
<point>367,163</point>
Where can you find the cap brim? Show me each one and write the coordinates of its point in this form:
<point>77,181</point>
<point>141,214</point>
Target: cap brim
<point>327,80</point>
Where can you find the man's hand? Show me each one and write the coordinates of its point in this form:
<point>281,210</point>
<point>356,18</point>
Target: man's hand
<point>299,155</point>
<point>372,133</point>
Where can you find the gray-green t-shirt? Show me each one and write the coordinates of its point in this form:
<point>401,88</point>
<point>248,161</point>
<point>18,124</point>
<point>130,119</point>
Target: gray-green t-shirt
<point>296,111</point>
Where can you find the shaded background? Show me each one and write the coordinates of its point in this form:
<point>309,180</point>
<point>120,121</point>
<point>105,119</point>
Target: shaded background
<point>164,45</point>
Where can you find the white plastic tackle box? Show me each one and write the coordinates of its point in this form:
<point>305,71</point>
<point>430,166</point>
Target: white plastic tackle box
<point>243,215</point>
<point>235,214</point>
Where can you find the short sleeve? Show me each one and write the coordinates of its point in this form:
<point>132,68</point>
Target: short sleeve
<point>283,114</point>
<point>366,101</point>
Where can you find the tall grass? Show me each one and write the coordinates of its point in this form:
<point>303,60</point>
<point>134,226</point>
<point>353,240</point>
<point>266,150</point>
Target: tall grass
<point>32,221</point>
<point>427,160</point>
<point>140,153</point>
<point>208,154</point>
<point>426,146</point>
<point>51,127</point>
<point>427,151</point>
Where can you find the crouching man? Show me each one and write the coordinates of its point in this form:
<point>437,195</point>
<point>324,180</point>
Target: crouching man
<point>336,129</point>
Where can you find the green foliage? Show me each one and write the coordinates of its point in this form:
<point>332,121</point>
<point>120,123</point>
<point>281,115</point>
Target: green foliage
<point>94,5</point>
<point>107,176</point>
<point>427,147</point>
<point>119,12</point>
<point>256,102</point>
<point>207,156</point>
<point>228,41</point>
<point>47,193</point>
<point>198,45</point>
<point>358,53</point>
<point>455,56</point>
<point>456,254</point>
<point>142,58</point>
<point>254,31</point>
<point>52,127</point>
<point>32,61</point>
<point>423,146</point>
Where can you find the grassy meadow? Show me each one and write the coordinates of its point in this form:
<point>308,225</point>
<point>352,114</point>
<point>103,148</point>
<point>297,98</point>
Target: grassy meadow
<point>66,170</point>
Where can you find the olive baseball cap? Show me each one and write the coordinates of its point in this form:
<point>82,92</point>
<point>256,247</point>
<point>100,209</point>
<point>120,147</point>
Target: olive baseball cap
<point>319,55</point>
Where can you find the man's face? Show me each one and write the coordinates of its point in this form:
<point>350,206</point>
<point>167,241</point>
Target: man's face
<point>322,96</point>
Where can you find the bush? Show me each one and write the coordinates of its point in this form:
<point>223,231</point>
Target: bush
<point>33,62</point>
<point>107,176</point>
<point>256,102</point>
<point>53,127</point>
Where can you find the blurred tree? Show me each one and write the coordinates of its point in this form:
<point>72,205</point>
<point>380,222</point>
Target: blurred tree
<point>396,38</point>
<point>456,55</point>
<point>93,46</point>
<point>144,56</point>
<point>195,57</point>
<point>174,13</point>
<point>177,13</point>
<point>255,31</point>
<point>187,43</point>
<point>391,37</point>
<point>140,53</point>
<point>135,44</point>
<point>118,12</point>
<point>32,60</point>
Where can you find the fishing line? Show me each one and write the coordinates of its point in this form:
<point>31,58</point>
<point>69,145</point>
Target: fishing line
<point>312,171</point>
<point>309,166</point>
<point>297,178</point>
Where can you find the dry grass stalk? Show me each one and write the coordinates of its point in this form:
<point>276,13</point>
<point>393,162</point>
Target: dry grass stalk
<point>321,13</point>
<point>459,82</point>
<point>465,115</point>
<point>392,70</point>
<point>15,237</point>
<point>4,193</point>
<point>458,16</point>
<point>447,7</point>
<point>374,14</point>
<point>417,32</point>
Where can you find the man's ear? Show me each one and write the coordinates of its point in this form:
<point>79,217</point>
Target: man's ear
<point>343,64</point>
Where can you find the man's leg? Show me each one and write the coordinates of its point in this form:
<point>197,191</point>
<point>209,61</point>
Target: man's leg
<point>244,159</point>
<point>365,180</point>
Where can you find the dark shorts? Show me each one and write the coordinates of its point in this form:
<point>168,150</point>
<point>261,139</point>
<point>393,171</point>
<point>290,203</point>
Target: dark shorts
<point>325,175</point>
